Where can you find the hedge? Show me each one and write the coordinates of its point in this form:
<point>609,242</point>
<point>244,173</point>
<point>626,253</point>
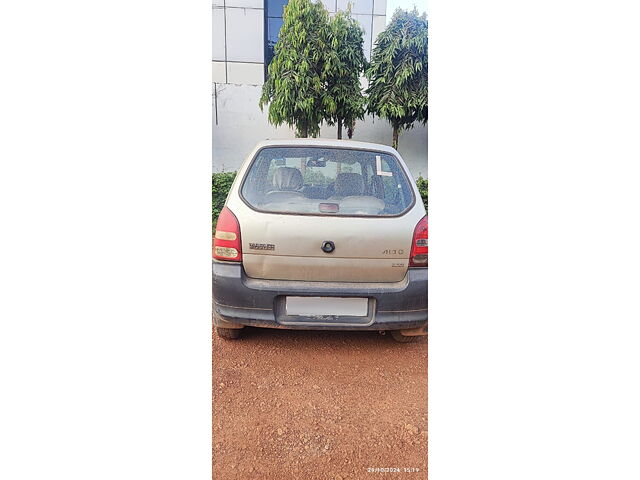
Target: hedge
<point>423,187</point>
<point>221,184</point>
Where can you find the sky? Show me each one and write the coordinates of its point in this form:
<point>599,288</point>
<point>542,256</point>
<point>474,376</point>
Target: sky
<point>406,4</point>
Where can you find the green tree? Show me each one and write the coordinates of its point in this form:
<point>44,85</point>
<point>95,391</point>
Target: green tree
<point>398,72</point>
<point>345,62</point>
<point>294,87</point>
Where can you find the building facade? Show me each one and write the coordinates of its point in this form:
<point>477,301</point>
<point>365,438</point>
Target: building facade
<point>244,32</point>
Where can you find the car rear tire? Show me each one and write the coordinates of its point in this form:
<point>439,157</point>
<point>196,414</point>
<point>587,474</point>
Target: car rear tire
<point>228,333</point>
<point>399,337</point>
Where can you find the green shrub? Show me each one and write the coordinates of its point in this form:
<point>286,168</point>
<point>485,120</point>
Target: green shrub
<point>423,186</point>
<point>220,186</point>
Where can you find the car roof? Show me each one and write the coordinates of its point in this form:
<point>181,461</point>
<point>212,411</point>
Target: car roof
<point>326,142</point>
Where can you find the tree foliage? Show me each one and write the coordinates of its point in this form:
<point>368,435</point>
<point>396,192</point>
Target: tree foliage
<point>398,72</point>
<point>294,88</point>
<point>344,63</point>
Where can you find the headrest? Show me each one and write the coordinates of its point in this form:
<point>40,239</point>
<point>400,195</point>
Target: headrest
<point>287,178</point>
<point>349,184</point>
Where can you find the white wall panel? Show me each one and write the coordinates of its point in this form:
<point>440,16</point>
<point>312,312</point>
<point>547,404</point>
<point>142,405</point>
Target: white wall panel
<point>218,34</point>
<point>219,73</point>
<point>379,7</point>
<point>365,22</point>
<point>379,24</point>
<point>358,6</point>
<point>330,5</point>
<point>245,40</point>
<point>244,3</point>
<point>245,73</point>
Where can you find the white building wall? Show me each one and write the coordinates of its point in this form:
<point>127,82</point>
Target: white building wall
<point>238,34</point>
<point>238,74</point>
<point>245,34</point>
<point>238,124</point>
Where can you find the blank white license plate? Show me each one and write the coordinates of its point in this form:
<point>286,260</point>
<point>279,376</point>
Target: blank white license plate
<point>355,307</point>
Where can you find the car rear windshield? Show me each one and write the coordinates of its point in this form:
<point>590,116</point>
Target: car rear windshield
<point>327,181</point>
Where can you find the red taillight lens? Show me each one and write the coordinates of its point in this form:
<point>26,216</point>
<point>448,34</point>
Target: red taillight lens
<point>226,241</point>
<point>420,245</point>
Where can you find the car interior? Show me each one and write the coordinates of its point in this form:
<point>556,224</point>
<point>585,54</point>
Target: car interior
<point>348,191</point>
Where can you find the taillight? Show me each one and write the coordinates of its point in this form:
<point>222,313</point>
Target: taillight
<point>226,241</point>
<point>420,245</point>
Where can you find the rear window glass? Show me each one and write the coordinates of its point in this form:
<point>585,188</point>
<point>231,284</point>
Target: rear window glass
<point>331,181</point>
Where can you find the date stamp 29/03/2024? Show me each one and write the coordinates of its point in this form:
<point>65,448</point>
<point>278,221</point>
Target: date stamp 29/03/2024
<point>393,470</point>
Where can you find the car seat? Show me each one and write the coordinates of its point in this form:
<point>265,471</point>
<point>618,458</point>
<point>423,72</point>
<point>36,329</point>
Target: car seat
<point>287,181</point>
<point>346,185</point>
<point>350,194</point>
<point>376,187</point>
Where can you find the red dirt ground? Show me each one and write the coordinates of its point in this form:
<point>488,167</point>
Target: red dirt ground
<point>318,405</point>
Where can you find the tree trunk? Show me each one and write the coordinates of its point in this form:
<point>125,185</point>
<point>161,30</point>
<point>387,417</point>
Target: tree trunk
<point>303,128</point>
<point>339,129</point>
<point>396,131</point>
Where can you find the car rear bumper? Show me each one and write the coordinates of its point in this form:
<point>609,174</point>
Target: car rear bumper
<point>240,300</point>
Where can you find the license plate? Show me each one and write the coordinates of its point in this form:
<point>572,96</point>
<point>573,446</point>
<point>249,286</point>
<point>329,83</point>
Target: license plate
<point>354,307</point>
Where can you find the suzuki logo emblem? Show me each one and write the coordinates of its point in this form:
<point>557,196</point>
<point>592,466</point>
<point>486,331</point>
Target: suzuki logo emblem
<point>328,246</point>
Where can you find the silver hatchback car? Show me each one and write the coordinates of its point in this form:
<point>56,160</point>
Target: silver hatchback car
<point>322,234</point>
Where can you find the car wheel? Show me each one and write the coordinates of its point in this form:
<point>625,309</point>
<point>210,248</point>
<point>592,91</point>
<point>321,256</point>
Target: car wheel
<point>399,337</point>
<point>228,333</point>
